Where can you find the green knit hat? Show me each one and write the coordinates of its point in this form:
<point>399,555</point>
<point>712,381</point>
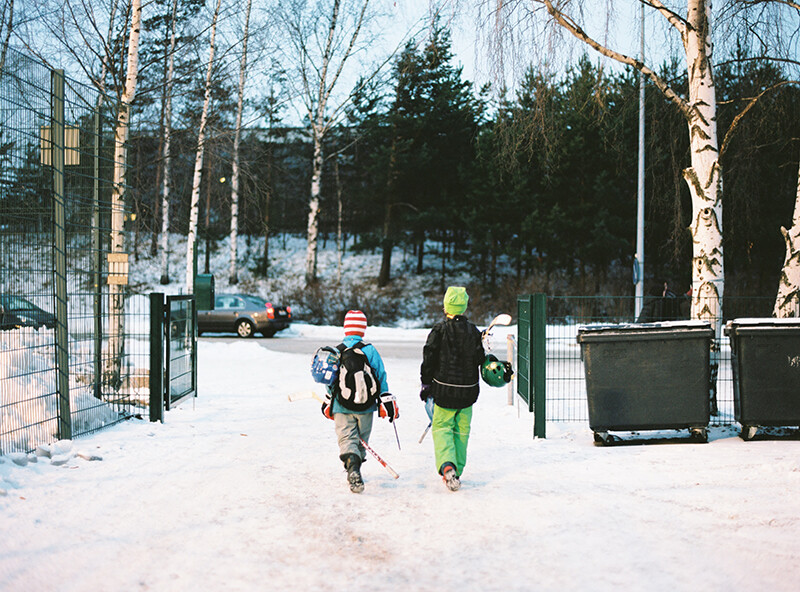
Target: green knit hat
<point>455,300</point>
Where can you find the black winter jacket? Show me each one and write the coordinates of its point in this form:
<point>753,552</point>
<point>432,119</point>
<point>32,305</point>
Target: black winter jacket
<point>451,362</point>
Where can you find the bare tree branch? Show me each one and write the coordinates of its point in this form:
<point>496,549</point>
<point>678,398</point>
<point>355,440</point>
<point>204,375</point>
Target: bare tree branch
<point>751,102</point>
<point>570,25</point>
<point>674,18</point>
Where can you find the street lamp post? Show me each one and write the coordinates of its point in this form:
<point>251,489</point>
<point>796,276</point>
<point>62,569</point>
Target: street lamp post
<point>639,257</point>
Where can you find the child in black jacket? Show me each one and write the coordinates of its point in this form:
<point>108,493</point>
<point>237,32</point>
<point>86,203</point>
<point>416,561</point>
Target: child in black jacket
<point>450,374</point>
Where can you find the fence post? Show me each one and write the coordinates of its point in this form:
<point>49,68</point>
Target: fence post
<point>194,345</point>
<point>539,363</point>
<point>524,365</point>
<point>157,356</point>
<point>511,352</point>
<point>97,263</point>
<point>60,255</point>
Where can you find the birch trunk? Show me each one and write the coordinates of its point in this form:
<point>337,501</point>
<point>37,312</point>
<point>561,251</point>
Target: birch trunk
<point>339,212</point>
<point>116,338</point>
<point>167,175</point>
<point>312,232</point>
<point>5,30</point>
<point>787,304</point>
<point>191,238</point>
<point>704,176</point>
<point>234,279</point>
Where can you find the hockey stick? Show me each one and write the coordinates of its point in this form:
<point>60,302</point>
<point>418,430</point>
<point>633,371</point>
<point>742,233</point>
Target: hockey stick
<point>299,395</point>
<point>313,395</point>
<point>396,436</point>
<point>429,411</point>
<point>501,319</point>
<point>392,472</point>
<point>425,433</point>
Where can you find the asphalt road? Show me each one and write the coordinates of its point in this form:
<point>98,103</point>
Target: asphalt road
<point>306,345</point>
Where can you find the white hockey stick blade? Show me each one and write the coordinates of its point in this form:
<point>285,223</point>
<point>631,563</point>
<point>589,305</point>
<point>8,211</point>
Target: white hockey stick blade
<point>300,395</point>
<point>501,319</point>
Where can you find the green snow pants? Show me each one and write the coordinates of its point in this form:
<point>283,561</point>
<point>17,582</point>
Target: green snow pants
<point>450,429</point>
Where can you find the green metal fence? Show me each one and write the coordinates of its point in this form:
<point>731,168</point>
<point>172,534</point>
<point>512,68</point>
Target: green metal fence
<point>550,374</point>
<point>59,375</point>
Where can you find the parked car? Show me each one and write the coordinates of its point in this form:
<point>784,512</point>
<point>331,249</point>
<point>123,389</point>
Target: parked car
<point>244,315</point>
<point>16,311</point>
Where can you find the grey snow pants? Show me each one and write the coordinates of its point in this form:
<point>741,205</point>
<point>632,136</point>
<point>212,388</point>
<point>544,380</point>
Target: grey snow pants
<point>349,427</point>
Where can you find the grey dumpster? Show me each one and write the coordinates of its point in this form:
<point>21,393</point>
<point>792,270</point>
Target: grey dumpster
<point>647,377</point>
<point>765,355</point>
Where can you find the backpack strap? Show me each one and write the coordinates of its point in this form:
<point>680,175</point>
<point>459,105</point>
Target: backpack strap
<point>341,347</point>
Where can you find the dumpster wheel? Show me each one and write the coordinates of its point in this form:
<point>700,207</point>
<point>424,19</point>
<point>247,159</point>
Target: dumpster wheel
<point>699,435</point>
<point>602,438</point>
<point>748,432</point>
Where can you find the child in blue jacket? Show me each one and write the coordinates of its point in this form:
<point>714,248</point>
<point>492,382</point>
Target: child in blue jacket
<point>352,415</point>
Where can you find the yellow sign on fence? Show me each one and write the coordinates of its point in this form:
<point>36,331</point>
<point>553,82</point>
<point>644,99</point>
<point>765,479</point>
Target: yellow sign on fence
<point>118,268</point>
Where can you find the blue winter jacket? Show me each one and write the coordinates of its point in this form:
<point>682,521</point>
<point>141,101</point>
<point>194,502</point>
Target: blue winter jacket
<point>376,363</point>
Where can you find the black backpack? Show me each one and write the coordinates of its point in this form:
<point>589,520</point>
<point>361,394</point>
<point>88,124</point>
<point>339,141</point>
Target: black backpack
<point>358,385</point>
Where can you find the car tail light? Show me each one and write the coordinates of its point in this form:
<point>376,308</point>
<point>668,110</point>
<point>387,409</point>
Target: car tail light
<point>270,311</point>
<point>289,311</point>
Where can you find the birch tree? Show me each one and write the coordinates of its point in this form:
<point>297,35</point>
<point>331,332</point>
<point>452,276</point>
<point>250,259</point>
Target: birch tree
<point>233,276</point>
<point>6,24</point>
<point>704,174</point>
<point>191,238</point>
<point>323,37</point>
<point>693,26</point>
<point>787,303</point>
<point>116,296</point>
<point>166,148</point>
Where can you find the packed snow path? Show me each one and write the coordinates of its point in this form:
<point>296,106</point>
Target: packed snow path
<point>242,490</point>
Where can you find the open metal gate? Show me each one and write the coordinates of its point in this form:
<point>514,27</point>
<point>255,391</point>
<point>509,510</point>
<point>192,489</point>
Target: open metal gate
<point>173,354</point>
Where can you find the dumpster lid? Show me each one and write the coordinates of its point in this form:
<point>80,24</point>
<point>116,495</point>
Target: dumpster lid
<point>764,321</point>
<point>683,324</point>
<point>758,325</point>
<point>635,331</point>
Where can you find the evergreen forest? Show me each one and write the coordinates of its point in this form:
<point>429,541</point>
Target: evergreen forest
<point>536,189</point>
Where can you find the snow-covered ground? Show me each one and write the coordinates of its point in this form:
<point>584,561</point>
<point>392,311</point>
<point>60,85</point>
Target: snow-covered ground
<point>241,489</point>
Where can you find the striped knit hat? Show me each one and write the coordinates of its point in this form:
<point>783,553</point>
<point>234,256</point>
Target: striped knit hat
<point>355,323</point>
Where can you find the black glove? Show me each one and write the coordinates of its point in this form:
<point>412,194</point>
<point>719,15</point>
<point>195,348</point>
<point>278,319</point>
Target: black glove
<point>424,392</point>
<point>327,406</point>
<point>508,371</point>
<point>387,407</point>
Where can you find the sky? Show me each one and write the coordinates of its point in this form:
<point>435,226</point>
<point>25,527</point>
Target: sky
<point>241,489</point>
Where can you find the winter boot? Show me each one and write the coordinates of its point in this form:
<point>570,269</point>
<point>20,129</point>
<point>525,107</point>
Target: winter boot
<point>450,477</point>
<point>352,463</point>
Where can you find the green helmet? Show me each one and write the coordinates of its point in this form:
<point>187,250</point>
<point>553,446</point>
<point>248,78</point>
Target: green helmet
<point>494,372</point>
